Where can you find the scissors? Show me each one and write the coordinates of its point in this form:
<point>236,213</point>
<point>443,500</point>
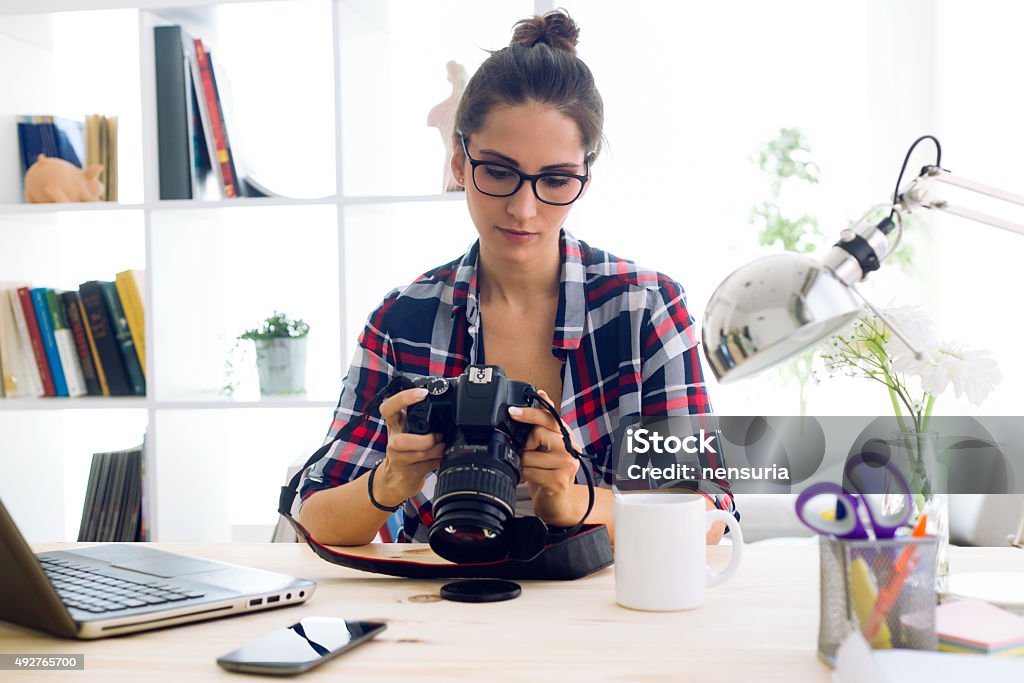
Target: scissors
<point>817,504</point>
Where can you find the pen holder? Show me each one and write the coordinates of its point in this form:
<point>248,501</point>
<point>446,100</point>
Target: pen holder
<point>858,575</point>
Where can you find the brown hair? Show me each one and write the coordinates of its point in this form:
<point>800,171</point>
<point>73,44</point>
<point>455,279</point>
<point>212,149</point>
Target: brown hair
<point>539,65</point>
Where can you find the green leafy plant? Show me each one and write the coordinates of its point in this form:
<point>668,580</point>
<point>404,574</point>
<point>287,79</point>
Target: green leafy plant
<point>277,326</point>
<point>786,160</point>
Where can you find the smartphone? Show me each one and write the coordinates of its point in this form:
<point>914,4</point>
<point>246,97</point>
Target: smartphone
<point>301,646</point>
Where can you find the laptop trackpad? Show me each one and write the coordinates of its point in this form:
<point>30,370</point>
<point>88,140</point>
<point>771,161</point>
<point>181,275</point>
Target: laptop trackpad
<point>169,567</point>
<point>148,560</point>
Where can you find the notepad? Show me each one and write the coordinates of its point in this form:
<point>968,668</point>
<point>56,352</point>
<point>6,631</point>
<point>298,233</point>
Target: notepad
<point>975,626</point>
<point>856,662</point>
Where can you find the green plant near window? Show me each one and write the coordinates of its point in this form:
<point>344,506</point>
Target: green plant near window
<point>277,326</point>
<point>786,161</point>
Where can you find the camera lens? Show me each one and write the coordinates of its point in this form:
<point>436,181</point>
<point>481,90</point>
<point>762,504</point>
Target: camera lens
<point>474,498</point>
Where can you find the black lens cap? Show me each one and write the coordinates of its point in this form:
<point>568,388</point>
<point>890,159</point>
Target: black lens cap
<point>480,590</point>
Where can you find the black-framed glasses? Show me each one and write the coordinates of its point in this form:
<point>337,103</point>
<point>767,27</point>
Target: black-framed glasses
<point>501,180</point>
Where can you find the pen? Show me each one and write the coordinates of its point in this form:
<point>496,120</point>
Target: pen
<point>887,597</point>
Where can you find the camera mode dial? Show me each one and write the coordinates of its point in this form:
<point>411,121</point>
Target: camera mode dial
<point>436,386</point>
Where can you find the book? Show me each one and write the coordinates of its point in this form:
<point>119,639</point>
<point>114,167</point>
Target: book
<point>93,354</point>
<point>101,328</point>
<point>129,530</point>
<point>42,312</point>
<point>110,165</point>
<point>130,285</point>
<point>178,168</point>
<point>31,382</point>
<point>212,116</point>
<point>65,346</point>
<point>145,499</point>
<point>18,371</point>
<point>124,520</point>
<point>92,524</point>
<point>54,136</point>
<point>11,381</point>
<point>113,507</point>
<point>101,148</point>
<point>27,322</point>
<point>123,334</point>
<point>73,312</point>
<point>252,187</point>
<point>90,498</point>
<point>976,626</point>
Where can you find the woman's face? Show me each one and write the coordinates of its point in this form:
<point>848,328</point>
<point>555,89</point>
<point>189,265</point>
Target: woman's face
<point>532,138</point>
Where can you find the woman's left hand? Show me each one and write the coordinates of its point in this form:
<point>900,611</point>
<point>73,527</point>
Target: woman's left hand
<point>548,468</point>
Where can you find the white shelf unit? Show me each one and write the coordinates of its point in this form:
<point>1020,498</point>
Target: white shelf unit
<point>353,139</point>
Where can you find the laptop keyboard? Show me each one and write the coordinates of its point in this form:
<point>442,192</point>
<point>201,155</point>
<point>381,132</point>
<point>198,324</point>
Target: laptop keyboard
<point>94,590</point>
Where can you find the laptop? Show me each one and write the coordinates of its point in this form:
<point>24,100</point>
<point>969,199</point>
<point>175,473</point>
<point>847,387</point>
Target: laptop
<point>116,588</point>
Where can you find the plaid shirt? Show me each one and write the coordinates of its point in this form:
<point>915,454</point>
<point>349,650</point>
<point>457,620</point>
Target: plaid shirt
<point>623,333</point>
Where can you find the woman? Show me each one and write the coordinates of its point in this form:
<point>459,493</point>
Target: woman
<point>593,332</point>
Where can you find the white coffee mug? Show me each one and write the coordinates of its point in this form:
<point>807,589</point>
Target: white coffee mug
<point>660,550</point>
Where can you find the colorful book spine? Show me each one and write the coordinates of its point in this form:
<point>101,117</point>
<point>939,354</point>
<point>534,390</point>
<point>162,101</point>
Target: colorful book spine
<point>53,136</point>
<point>215,115</point>
<point>42,311</point>
<point>65,346</point>
<point>100,375</point>
<point>129,288</point>
<point>15,383</point>
<point>123,334</point>
<point>73,312</point>
<point>101,327</point>
<point>28,318</point>
<point>30,371</point>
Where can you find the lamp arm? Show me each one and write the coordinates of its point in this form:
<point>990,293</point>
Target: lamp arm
<point>920,194</point>
<point>914,348</point>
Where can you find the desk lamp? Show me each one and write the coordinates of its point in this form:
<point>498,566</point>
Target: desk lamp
<point>776,307</point>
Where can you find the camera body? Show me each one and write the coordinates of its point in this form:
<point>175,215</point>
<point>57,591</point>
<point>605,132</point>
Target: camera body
<point>475,495</point>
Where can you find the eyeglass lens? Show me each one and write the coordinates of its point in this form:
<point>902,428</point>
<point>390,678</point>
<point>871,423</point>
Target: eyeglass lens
<point>501,181</point>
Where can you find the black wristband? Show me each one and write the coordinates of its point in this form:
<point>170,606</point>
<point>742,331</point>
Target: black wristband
<point>369,489</point>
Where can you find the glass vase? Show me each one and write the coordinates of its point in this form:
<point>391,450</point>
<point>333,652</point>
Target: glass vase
<point>916,454</point>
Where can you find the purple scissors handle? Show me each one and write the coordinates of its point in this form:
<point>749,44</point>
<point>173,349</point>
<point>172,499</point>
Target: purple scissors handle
<point>856,472</point>
<point>843,520</point>
<point>829,509</point>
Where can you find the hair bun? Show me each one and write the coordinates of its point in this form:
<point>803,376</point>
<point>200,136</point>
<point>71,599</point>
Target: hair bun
<point>556,29</point>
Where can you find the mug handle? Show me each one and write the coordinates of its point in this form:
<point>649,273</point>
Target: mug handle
<point>715,578</point>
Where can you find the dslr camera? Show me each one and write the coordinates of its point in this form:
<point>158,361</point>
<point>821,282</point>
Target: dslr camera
<point>475,496</point>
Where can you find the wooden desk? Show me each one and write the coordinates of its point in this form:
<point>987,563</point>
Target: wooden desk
<point>760,626</point>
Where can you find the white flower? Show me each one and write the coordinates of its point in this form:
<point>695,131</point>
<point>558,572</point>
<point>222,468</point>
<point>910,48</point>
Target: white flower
<point>972,372</point>
<point>913,324</point>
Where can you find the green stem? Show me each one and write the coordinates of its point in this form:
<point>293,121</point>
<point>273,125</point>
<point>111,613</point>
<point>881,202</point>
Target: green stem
<point>929,404</point>
<point>890,382</point>
<point>896,407</point>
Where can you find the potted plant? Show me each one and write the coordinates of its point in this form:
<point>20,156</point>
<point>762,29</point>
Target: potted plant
<point>280,354</point>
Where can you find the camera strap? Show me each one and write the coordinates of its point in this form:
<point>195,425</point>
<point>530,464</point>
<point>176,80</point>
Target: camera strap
<point>537,551</point>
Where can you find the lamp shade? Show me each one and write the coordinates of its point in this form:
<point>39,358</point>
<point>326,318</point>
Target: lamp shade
<point>770,310</point>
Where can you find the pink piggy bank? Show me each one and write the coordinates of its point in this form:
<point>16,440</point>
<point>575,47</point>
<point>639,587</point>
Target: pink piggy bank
<point>55,180</point>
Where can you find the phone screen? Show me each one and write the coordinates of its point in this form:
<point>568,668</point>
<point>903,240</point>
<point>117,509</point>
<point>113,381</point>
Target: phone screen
<point>300,646</point>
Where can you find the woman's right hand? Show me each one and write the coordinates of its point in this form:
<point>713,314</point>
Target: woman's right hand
<point>409,457</point>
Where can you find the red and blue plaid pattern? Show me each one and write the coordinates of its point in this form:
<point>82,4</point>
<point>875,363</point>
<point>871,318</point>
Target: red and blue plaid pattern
<point>625,336</point>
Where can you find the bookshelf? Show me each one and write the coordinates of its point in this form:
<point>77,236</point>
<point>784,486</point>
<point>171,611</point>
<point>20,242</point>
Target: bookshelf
<point>340,132</point>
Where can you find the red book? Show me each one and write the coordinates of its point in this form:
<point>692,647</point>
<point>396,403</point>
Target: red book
<point>25,296</point>
<point>215,112</point>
